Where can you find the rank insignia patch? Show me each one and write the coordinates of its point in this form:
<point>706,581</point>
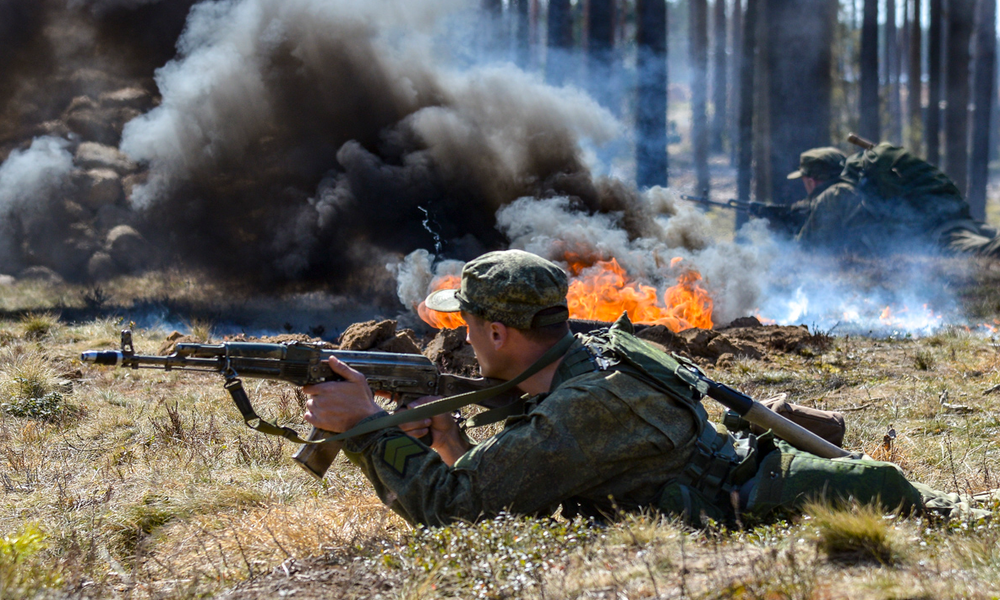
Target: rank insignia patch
<point>398,452</point>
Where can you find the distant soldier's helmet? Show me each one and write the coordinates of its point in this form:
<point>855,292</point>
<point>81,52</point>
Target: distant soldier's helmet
<point>820,163</point>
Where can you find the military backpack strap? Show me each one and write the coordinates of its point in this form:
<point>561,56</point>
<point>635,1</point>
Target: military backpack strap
<point>714,459</point>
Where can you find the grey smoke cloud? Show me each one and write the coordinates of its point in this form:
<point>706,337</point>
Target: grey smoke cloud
<point>310,127</point>
<point>30,180</point>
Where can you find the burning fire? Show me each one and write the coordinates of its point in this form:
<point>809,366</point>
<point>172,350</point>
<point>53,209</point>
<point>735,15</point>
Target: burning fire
<point>602,291</point>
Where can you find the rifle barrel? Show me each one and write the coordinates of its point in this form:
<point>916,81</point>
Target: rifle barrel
<point>731,203</point>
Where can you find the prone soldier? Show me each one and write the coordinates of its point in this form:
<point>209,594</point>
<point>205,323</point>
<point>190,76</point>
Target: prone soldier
<point>607,424</point>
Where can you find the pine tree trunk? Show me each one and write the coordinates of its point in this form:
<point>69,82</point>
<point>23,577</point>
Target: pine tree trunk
<point>699,93</point>
<point>961,17</point>
<point>559,41</point>
<point>995,130</point>
<point>719,64</point>
<point>984,90</point>
<point>652,160</point>
<point>744,137</point>
<point>799,86</point>
<point>892,57</point>
<point>914,82</point>
<point>762,103</point>
<point>868,109</point>
<point>932,130</point>
<point>736,43</point>
<point>522,46</point>
<point>600,41</point>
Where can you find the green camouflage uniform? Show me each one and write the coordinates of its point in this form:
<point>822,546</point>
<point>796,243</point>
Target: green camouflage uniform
<point>887,200</point>
<point>595,436</point>
<point>837,217</point>
<point>619,429</point>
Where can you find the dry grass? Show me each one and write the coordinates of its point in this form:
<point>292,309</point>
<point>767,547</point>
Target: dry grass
<point>143,484</point>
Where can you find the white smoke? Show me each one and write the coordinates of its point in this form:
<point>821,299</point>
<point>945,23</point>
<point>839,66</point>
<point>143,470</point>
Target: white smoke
<point>909,294</point>
<point>554,229</point>
<point>29,180</point>
<point>416,274</point>
<point>756,274</point>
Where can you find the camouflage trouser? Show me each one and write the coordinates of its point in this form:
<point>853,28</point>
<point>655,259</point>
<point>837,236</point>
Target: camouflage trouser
<point>982,240</point>
<point>789,478</point>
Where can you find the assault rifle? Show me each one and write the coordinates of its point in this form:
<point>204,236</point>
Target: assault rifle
<point>406,377</point>
<point>756,209</point>
<point>782,217</point>
<point>731,203</point>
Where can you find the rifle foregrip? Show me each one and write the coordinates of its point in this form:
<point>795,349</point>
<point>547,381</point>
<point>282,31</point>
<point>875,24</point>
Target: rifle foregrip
<point>317,458</point>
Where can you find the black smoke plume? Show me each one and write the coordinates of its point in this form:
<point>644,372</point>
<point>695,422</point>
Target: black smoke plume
<point>295,137</point>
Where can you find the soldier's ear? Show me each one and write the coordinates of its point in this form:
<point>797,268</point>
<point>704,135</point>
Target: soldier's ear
<point>499,334</point>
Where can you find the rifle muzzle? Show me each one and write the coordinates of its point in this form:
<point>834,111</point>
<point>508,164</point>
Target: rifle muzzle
<point>108,357</point>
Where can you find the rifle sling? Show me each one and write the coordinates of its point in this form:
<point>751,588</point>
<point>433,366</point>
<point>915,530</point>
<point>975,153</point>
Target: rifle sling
<point>445,405</point>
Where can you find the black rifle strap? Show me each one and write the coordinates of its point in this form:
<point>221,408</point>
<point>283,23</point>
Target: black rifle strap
<point>437,407</point>
<point>235,388</point>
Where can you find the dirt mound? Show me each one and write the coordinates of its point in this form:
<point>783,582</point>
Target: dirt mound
<point>380,336</point>
<point>452,354</point>
<point>283,338</point>
<point>743,338</point>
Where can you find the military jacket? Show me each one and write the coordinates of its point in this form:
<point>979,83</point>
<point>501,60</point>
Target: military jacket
<point>600,440</point>
<point>837,217</point>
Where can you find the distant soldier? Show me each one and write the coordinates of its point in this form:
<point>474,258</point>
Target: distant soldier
<point>885,199</point>
<point>834,208</point>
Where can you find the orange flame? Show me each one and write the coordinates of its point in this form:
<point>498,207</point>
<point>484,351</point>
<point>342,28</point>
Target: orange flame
<point>605,291</point>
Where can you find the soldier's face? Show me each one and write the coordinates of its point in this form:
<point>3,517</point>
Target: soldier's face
<point>479,337</point>
<point>810,184</point>
<point>490,342</point>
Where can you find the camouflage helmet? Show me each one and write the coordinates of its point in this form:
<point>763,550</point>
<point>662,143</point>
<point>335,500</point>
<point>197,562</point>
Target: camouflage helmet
<point>820,163</point>
<point>511,287</point>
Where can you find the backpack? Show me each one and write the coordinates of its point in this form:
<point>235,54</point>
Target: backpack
<point>905,192</point>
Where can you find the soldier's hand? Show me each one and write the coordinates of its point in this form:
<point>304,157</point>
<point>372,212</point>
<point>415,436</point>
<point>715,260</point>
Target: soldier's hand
<point>421,428</point>
<point>339,405</point>
<point>447,438</point>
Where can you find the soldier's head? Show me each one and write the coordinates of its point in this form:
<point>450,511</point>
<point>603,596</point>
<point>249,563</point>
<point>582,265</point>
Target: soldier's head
<point>819,165</point>
<point>511,288</point>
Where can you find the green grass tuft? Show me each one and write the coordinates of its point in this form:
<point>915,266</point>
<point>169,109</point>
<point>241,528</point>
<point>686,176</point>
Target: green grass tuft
<point>38,325</point>
<point>30,387</point>
<point>859,533</point>
<point>501,558</point>
<point>24,570</point>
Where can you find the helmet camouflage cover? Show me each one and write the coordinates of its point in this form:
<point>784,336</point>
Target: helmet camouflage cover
<point>511,287</point>
<point>820,163</point>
